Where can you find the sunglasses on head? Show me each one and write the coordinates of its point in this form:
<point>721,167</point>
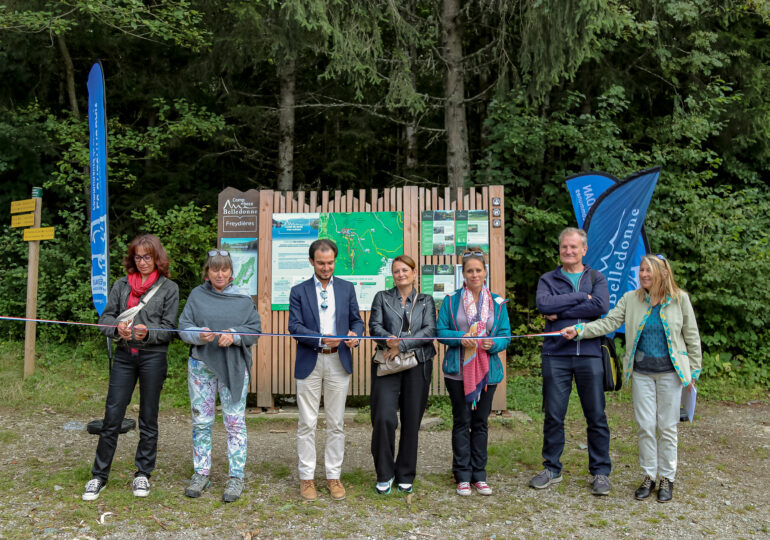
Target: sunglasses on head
<point>222,252</point>
<point>473,254</point>
<point>660,256</point>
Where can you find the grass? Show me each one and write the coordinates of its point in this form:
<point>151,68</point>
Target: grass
<point>73,379</point>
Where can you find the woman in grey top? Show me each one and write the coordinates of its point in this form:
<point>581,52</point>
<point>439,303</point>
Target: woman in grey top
<point>400,312</point>
<point>220,322</point>
<point>140,355</point>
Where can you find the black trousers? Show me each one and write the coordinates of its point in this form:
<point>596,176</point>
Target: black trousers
<point>150,368</point>
<point>469,432</point>
<point>406,391</point>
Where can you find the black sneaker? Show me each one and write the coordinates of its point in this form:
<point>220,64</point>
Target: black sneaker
<point>601,485</point>
<point>93,487</point>
<point>646,489</point>
<point>665,491</point>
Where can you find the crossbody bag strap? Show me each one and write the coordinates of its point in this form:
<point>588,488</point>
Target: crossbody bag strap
<point>147,297</point>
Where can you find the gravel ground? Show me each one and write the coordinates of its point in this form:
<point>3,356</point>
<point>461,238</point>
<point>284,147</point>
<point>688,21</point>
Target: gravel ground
<point>720,490</point>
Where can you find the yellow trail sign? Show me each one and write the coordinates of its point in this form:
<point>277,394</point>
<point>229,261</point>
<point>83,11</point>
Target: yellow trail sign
<point>27,205</point>
<point>23,220</point>
<point>40,233</point>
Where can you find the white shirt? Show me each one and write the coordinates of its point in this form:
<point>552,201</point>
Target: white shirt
<point>326,316</point>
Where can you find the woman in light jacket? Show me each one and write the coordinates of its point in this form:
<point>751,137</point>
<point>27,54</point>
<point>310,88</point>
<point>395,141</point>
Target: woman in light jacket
<point>400,312</point>
<point>472,367</point>
<point>663,355</point>
<point>142,343</point>
<point>219,363</point>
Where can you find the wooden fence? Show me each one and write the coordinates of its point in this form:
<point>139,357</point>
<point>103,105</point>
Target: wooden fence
<point>273,366</point>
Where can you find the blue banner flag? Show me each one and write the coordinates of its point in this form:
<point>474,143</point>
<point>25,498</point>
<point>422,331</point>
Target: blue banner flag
<point>614,226</point>
<point>584,189</point>
<point>97,126</point>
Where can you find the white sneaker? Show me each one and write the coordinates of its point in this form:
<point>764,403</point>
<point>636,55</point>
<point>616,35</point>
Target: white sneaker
<point>383,488</point>
<point>141,486</point>
<point>464,488</point>
<point>482,488</point>
<point>93,487</point>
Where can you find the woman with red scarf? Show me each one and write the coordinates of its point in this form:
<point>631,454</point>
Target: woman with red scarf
<point>142,344</point>
<point>468,323</point>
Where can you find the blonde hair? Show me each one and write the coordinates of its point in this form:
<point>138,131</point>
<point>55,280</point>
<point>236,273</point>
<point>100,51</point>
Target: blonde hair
<point>406,259</point>
<point>663,283</point>
<point>216,262</point>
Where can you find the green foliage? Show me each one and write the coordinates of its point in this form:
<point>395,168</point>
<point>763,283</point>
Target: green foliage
<point>737,369</point>
<point>171,20</point>
<point>186,235</point>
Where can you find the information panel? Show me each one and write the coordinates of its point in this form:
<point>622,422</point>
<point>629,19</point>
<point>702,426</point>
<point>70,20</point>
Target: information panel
<point>438,280</point>
<point>367,243</point>
<point>243,252</point>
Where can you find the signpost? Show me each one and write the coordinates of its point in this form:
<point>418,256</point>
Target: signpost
<point>32,235</point>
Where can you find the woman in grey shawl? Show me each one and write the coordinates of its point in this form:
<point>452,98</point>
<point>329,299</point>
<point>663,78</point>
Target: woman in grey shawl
<point>219,322</point>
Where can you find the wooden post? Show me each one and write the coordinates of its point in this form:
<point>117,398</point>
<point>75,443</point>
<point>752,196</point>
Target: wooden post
<point>30,328</point>
<point>497,274</point>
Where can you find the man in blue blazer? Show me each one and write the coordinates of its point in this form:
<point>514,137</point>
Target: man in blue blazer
<point>319,307</point>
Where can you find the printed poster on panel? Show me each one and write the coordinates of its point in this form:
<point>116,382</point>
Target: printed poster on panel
<point>244,253</point>
<point>367,242</point>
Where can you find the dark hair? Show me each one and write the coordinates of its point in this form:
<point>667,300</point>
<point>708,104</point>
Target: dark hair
<point>322,244</point>
<point>473,253</point>
<point>406,259</point>
<point>152,244</point>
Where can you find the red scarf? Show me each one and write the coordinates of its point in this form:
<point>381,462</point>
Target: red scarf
<point>138,288</point>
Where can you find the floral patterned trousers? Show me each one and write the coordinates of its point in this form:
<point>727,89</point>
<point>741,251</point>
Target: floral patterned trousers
<point>203,385</point>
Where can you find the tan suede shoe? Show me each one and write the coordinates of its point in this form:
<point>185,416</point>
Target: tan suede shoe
<point>336,489</point>
<point>307,490</point>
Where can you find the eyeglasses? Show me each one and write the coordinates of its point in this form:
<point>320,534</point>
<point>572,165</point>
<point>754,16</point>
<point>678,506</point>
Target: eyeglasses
<point>472,254</point>
<point>660,256</point>
<point>145,258</point>
<point>324,296</point>
<point>222,252</point>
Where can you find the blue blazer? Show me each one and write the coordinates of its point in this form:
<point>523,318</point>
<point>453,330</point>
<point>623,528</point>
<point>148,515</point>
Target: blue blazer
<point>304,320</point>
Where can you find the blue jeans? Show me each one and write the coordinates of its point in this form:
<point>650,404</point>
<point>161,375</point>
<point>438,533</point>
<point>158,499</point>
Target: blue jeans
<point>587,371</point>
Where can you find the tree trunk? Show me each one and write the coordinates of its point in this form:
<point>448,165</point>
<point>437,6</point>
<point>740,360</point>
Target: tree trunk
<point>455,124</point>
<point>69,71</point>
<point>287,74</point>
<point>69,84</point>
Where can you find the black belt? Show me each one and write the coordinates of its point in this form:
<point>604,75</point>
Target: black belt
<point>328,350</point>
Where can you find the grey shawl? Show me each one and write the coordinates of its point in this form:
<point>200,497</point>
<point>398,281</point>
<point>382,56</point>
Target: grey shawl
<point>228,310</point>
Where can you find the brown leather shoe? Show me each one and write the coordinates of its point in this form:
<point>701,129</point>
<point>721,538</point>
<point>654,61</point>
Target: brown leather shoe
<point>336,489</point>
<point>307,490</point>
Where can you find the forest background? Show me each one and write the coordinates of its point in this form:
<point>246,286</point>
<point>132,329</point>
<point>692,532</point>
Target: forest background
<point>356,94</point>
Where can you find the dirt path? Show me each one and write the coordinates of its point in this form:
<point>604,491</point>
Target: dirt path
<point>721,489</point>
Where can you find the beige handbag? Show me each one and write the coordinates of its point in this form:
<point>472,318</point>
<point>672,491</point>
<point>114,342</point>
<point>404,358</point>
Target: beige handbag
<point>400,362</point>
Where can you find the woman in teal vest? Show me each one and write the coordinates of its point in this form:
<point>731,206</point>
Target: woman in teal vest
<point>472,367</point>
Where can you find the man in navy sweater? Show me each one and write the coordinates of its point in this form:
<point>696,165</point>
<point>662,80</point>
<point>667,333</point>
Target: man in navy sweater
<point>570,294</point>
